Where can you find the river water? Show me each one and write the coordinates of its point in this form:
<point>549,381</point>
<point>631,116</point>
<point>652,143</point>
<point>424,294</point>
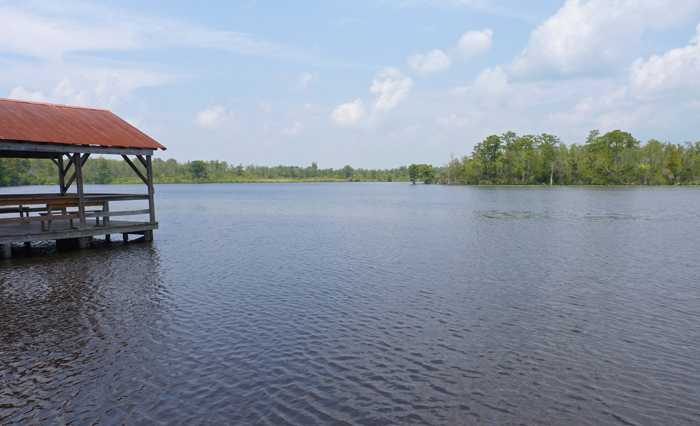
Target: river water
<point>367,304</point>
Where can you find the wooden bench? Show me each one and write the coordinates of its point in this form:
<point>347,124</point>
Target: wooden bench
<point>51,212</point>
<point>20,209</point>
<point>65,215</point>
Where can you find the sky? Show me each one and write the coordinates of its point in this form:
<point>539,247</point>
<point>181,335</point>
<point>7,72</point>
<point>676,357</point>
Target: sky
<point>366,83</point>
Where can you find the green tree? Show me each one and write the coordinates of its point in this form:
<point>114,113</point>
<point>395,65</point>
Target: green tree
<point>413,173</point>
<point>198,169</point>
<point>4,181</point>
<point>547,144</point>
<point>104,174</point>
<point>16,171</point>
<point>348,172</point>
<point>427,173</point>
<point>488,151</point>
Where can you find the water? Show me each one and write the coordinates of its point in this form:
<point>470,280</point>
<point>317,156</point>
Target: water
<point>366,304</point>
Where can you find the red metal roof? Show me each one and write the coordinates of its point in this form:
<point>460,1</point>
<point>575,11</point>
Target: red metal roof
<point>63,124</point>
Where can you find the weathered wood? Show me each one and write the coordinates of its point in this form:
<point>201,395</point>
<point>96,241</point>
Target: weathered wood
<point>121,213</point>
<point>5,251</point>
<point>75,174</point>
<point>20,209</point>
<point>105,208</point>
<point>81,191</point>
<point>125,197</point>
<point>25,149</point>
<point>25,201</point>
<point>61,175</point>
<point>83,242</point>
<point>22,232</point>
<point>140,157</point>
<point>44,218</point>
<point>151,190</point>
<point>133,166</point>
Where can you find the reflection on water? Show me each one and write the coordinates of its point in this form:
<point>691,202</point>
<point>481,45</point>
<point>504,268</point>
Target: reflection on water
<point>78,331</point>
<point>366,304</point>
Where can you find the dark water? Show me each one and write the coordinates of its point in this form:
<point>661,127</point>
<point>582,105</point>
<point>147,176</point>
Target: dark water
<point>366,304</point>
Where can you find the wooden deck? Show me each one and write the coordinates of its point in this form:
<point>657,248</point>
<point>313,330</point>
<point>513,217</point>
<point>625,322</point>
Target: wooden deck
<point>43,217</point>
<point>26,232</point>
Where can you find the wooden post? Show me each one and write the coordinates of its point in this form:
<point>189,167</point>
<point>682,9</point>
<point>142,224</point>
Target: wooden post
<point>81,193</point>
<point>83,242</point>
<point>61,175</point>
<point>105,220</point>
<point>5,251</point>
<point>151,191</point>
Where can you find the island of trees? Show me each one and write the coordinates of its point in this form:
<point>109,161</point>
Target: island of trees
<point>614,158</point>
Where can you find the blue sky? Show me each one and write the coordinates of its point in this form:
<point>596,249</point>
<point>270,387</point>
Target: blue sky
<point>373,84</point>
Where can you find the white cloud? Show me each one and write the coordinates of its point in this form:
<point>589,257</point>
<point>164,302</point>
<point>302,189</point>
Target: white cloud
<point>305,79</point>
<point>474,43</point>
<point>76,26</point>
<point>477,4</point>
<point>459,121</point>
<point>590,37</point>
<point>266,108</point>
<point>297,128</point>
<point>490,88</point>
<point>588,110</point>
<point>215,117</point>
<point>349,113</point>
<point>21,94</point>
<point>434,61</point>
<point>97,87</point>
<point>667,74</point>
<point>392,86</point>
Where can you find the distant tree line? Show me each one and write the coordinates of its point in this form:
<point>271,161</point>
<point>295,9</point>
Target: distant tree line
<point>99,170</point>
<point>615,158</point>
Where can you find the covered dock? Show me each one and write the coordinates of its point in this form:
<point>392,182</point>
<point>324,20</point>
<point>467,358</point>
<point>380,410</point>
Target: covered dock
<point>68,135</point>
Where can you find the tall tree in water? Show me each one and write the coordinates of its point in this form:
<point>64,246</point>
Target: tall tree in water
<point>413,173</point>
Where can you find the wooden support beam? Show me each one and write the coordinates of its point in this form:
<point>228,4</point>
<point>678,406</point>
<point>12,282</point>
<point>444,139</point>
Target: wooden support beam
<point>24,149</point>
<point>70,163</point>
<point>151,191</point>
<point>79,184</point>
<point>105,220</point>
<point>61,175</point>
<point>133,166</point>
<point>140,157</point>
<point>74,161</point>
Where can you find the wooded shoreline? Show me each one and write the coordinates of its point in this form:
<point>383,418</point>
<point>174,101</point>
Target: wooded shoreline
<point>612,159</point>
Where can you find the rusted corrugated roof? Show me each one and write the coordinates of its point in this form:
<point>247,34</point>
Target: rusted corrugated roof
<point>63,124</point>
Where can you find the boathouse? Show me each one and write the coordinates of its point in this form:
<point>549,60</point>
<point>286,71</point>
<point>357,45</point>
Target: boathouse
<point>68,135</point>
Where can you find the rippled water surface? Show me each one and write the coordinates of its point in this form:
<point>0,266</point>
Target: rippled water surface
<point>366,304</point>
